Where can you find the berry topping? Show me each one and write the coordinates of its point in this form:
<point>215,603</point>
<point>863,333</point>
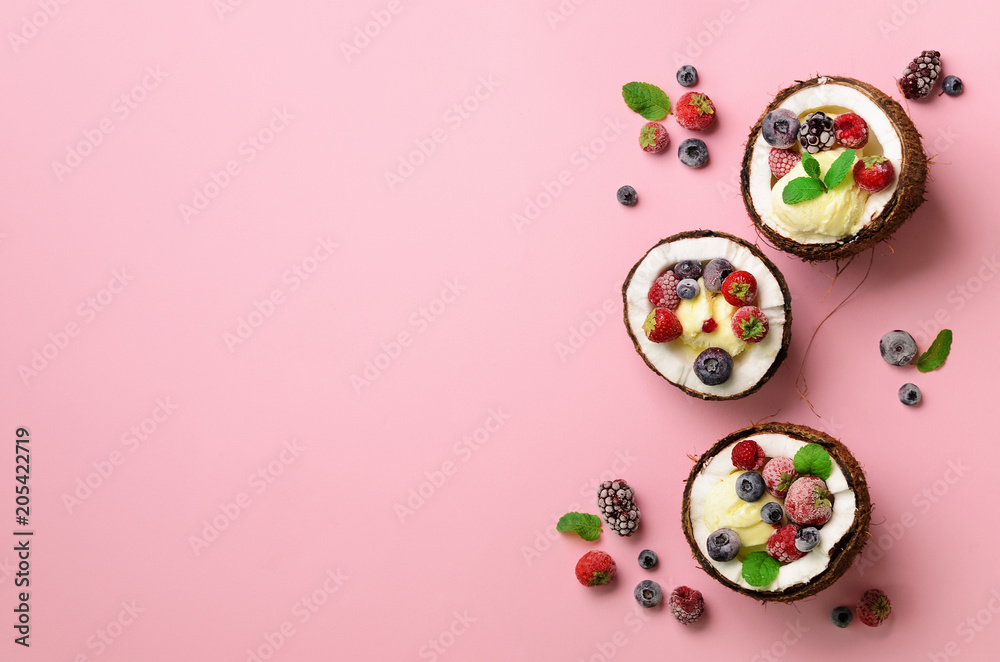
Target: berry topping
<point>653,137</point>
<point>807,538</point>
<point>750,324</point>
<point>648,559</point>
<point>688,269</point>
<point>772,513</point>
<point>739,288</point>
<point>715,272</point>
<point>713,366</point>
<point>920,75</point>
<point>709,325</point>
<point>686,604</point>
<point>687,76</point>
<point>874,173</point>
<point>648,593</point>
<point>688,288</point>
<point>897,347</point>
<point>616,504</point>
<point>841,616</point>
<point>781,544</point>
<point>780,128</point>
<point>723,545</point>
<point>874,607</point>
<point>627,196</point>
<point>782,161</point>
<point>595,569</point>
<point>693,153</point>
<point>816,133</point>
<point>663,291</point>
<point>662,325</point>
<point>695,111</point>
<point>952,86</point>
<point>909,394</point>
<point>750,486</point>
<point>850,130</point>
<point>748,455</point>
<point>779,473</point>
<point>808,501</point>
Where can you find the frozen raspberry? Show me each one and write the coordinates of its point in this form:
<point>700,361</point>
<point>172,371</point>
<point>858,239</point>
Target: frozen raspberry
<point>686,604</point>
<point>748,455</point>
<point>782,161</point>
<point>808,501</point>
<point>781,544</point>
<point>779,474</point>
<point>663,292</point>
<point>851,131</point>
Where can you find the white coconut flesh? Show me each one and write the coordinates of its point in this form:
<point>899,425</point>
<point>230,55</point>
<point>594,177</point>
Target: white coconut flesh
<point>675,360</point>
<point>833,99</point>
<point>797,572</point>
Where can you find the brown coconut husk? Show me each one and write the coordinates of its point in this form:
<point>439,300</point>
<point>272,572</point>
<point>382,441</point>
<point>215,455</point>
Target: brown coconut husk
<point>786,337</point>
<point>842,554</point>
<point>908,196</point>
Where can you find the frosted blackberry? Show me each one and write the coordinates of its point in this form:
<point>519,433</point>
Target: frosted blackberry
<point>816,133</point>
<point>920,75</point>
<point>616,504</point>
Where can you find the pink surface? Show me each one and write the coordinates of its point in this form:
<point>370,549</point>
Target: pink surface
<point>384,390</point>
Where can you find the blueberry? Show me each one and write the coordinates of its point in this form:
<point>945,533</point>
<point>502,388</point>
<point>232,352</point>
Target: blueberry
<point>648,593</point>
<point>715,272</point>
<point>713,366</point>
<point>693,153</point>
<point>627,196</point>
<point>688,269</point>
<point>648,559</point>
<point>688,288</point>
<point>687,76</point>
<point>780,128</point>
<point>772,512</point>
<point>750,486</point>
<point>841,616</point>
<point>952,85</point>
<point>724,545</point>
<point>806,538</point>
<point>909,394</point>
<point>897,347</point>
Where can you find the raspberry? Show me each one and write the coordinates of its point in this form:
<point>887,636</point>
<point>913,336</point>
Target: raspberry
<point>596,569</point>
<point>663,292</point>
<point>782,161</point>
<point>781,544</point>
<point>617,507</point>
<point>662,325</point>
<point>850,130</point>
<point>779,474</point>
<point>748,455</point>
<point>808,502</point>
<point>920,75</point>
<point>816,133</point>
<point>686,604</point>
<point>874,607</point>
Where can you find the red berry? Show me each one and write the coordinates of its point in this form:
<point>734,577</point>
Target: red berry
<point>782,161</point>
<point>695,111</point>
<point>748,455</point>
<point>874,607</point>
<point>653,138</point>
<point>663,291</point>
<point>874,173</point>
<point>779,473</point>
<point>808,502</point>
<point>686,604</point>
<point>750,324</point>
<point>596,569</point>
<point>781,544</point>
<point>739,288</point>
<point>709,325</point>
<point>850,130</point>
<point>662,325</point>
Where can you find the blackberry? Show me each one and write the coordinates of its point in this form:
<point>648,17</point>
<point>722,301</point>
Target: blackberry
<point>816,133</point>
<point>920,75</point>
<point>617,506</point>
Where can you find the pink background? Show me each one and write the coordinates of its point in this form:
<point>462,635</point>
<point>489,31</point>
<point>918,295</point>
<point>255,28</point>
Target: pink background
<point>409,541</point>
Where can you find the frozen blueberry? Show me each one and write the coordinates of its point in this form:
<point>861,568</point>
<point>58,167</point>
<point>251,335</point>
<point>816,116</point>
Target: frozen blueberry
<point>806,538</point>
<point>693,153</point>
<point>952,85</point>
<point>780,128</point>
<point>627,196</point>
<point>750,486</point>
<point>688,288</point>
<point>688,269</point>
<point>772,512</point>
<point>897,347</point>
<point>841,616</point>
<point>713,366</point>
<point>715,272</point>
<point>909,394</point>
<point>648,593</point>
<point>648,559</point>
<point>723,545</point>
<point>687,76</point>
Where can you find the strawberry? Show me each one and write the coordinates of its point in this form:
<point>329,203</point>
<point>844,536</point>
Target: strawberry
<point>850,130</point>
<point>663,291</point>
<point>686,604</point>
<point>782,161</point>
<point>874,607</point>
<point>779,473</point>
<point>748,455</point>
<point>808,502</point>
<point>874,173</point>
<point>662,325</point>
<point>709,325</point>
<point>781,544</point>
<point>739,288</point>
<point>653,138</point>
<point>695,111</point>
<point>595,569</point>
<point>750,324</point>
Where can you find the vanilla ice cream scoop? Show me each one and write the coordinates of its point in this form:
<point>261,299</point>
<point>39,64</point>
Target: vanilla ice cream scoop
<point>724,509</point>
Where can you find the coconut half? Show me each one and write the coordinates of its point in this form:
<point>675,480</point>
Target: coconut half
<point>891,134</point>
<point>674,361</point>
<point>841,538</point>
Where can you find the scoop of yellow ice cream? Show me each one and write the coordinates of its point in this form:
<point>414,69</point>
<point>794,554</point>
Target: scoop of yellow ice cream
<point>725,510</point>
<point>692,314</point>
<point>836,213</point>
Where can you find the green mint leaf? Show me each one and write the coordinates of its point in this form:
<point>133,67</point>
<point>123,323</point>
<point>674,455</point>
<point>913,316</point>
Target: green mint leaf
<point>759,569</point>
<point>810,164</point>
<point>801,189</point>
<point>584,525</point>
<point>648,100</point>
<point>936,353</point>
<point>839,169</point>
<point>813,460</point>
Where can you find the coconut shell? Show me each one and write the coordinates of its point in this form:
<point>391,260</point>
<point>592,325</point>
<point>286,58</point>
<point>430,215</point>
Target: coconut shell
<point>909,193</point>
<point>842,554</point>
<point>786,337</point>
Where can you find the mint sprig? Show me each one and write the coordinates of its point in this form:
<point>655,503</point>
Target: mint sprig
<point>810,165</point>
<point>813,460</point>
<point>936,354</point>
<point>839,169</point>
<point>801,189</point>
<point>648,100</point>
<point>585,525</point>
<point>759,569</point>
